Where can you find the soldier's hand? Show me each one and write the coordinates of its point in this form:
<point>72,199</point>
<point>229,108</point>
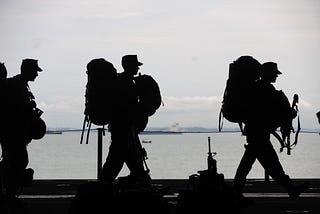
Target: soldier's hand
<point>286,129</point>
<point>293,113</point>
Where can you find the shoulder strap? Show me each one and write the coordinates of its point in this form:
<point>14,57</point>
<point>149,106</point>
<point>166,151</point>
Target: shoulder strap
<point>220,125</point>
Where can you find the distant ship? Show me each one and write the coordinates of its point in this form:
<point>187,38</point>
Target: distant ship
<point>174,129</point>
<point>146,141</point>
<point>53,132</point>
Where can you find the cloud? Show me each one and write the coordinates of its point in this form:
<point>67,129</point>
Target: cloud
<point>63,105</point>
<point>307,105</point>
<point>195,103</point>
<point>188,111</point>
<point>71,104</point>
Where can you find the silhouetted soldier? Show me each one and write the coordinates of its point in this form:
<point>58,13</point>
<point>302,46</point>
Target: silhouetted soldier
<point>3,78</point>
<point>3,73</point>
<point>127,122</point>
<point>18,130</point>
<point>263,120</point>
<point>318,116</point>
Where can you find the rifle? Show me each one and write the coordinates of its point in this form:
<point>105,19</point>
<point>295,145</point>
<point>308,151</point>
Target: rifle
<point>144,158</point>
<point>212,163</point>
<point>286,133</point>
<point>141,150</point>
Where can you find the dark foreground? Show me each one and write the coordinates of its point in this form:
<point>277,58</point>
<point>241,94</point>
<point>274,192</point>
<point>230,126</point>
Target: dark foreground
<point>57,196</point>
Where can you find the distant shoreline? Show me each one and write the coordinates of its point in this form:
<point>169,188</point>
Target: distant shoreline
<point>164,131</point>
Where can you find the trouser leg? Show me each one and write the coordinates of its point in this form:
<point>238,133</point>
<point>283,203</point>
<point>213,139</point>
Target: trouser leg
<point>269,159</point>
<point>135,157</point>
<point>112,166</point>
<point>15,161</point>
<point>118,151</point>
<point>244,168</point>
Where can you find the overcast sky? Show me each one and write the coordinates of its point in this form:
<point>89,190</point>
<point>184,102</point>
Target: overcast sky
<point>185,45</point>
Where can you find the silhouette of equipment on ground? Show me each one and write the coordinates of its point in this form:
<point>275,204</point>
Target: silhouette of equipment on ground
<point>206,190</point>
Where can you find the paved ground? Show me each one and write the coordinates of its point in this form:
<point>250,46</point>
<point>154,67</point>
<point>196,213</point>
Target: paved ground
<point>55,197</point>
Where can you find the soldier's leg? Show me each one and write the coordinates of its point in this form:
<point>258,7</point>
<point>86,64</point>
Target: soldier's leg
<point>135,161</point>
<point>270,161</point>
<point>244,168</point>
<point>118,150</point>
<point>15,161</point>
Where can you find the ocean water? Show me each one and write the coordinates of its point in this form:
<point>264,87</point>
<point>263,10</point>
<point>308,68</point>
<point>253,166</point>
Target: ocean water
<point>61,156</point>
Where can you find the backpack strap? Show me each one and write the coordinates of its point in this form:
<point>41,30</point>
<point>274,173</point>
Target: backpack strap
<point>241,128</point>
<point>85,120</point>
<point>220,125</point>
<point>89,128</point>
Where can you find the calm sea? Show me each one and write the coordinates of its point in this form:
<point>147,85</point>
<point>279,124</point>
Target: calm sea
<point>61,156</point>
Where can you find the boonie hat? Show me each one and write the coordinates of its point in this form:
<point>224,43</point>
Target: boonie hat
<point>130,60</point>
<point>30,64</point>
<point>269,67</point>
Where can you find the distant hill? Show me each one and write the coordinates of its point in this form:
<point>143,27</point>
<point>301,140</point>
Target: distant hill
<point>195,129</point>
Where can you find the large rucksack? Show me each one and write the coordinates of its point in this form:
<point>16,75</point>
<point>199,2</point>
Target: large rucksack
<point>148,93</point>
<point>237,96</point>
<point>101,80</point>
<point>149,99</point>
